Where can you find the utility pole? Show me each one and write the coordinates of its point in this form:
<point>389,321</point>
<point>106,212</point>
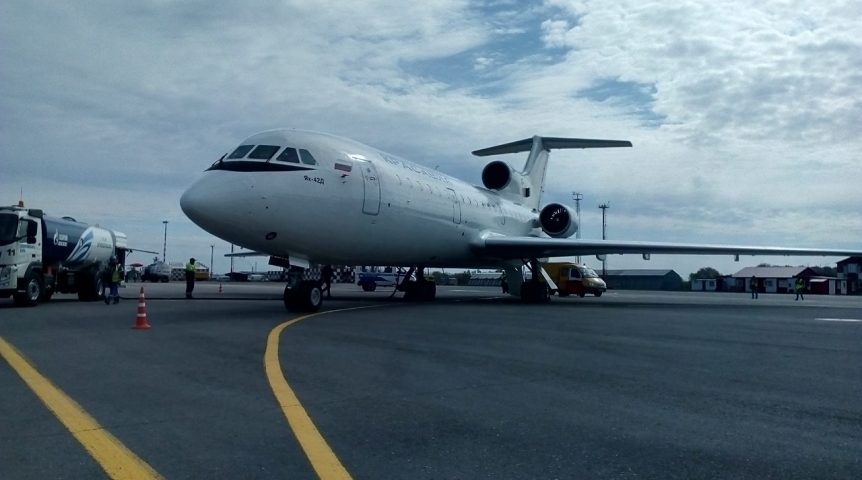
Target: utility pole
<point>605,206</point>
<point>577,197</point>
<point>231,262</point>
<point>165,246</point>
<point>212,249</point>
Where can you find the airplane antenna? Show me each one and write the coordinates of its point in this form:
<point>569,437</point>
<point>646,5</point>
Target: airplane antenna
<point>577,197</point>
<point>605,206</point>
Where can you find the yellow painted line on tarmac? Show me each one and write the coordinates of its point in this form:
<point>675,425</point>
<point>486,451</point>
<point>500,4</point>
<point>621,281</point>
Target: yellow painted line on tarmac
<point>118,461</point>
<point>322,458</point>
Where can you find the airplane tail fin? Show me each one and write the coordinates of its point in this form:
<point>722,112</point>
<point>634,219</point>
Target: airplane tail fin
<point>533,175</point>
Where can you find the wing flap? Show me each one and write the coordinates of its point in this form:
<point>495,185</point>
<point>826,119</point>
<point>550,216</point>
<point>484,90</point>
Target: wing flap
<point>525,247</point>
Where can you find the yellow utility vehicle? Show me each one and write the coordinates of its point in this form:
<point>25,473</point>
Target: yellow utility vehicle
<point>575,279</point>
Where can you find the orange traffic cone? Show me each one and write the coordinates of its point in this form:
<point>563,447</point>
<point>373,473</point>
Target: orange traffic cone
<point>219,288</point>
<point>141,321</point>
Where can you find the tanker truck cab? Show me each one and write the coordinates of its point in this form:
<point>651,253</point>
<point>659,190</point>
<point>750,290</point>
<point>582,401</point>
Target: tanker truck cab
<point>575,279</point>
<point>21,274</point>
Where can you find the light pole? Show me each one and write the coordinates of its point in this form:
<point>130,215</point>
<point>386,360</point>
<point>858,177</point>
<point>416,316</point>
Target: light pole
<point>165,246</point>
<point>577,197</point>
<point>212,249</point>
<point>605,206</point>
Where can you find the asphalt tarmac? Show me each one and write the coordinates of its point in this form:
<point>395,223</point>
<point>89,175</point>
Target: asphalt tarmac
<point>629,385</point>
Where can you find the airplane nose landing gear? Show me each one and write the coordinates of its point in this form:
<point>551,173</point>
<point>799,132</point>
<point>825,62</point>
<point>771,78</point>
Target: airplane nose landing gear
<point>419,290</point>
<point>302,295</point>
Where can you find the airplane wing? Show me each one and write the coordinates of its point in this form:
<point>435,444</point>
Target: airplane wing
<point>246,254</point>
<point>133,250</point>
<point>535,247</point>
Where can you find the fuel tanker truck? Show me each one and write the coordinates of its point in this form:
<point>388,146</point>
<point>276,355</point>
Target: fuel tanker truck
<point>42,255</point>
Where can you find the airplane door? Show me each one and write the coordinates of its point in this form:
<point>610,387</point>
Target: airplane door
<point>456,206</point>
<point>371,182</point>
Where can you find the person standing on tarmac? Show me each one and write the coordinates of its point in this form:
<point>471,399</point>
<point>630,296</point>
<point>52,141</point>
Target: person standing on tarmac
<point>190,277</point>
<point>753,284</point>
<point>503,283</point>
<point>113,276</point>
<point>800,286</point>
<point>326,275</point>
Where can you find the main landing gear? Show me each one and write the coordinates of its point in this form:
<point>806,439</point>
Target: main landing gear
<point>302,295</point>
<point>533,290</point>
<point>418,290</point>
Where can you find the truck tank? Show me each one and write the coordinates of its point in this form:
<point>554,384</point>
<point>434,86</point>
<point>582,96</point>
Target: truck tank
<point>76,245</point>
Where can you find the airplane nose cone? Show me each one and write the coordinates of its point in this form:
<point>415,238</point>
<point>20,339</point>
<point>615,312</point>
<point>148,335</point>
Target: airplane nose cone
<point>204,202</point>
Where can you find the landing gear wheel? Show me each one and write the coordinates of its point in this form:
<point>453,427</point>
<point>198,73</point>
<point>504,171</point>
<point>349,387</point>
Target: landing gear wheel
<point>535,292</point>
<point>33,292</point>
<point>544,293</point>
<point>429,291</point>
<point>306,297</point>
<point>412,293</point>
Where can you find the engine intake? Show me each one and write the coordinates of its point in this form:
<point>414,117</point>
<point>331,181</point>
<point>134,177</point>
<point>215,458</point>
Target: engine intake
<point>497,175</point>
<point>558,221</point>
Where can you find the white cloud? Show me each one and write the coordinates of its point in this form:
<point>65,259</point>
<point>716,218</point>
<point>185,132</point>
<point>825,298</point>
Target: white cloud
<point>743,117</point>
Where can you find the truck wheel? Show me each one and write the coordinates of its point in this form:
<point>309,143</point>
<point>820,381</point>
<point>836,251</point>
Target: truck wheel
<point>598,294</point>
<point>33,291</point>
<point>369,287</point>
<point>98,288</point>
<point>563,294</point>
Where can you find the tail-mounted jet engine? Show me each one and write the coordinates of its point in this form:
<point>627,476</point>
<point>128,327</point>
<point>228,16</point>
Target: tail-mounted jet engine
<point>497,175</point>
<point>558,221</point>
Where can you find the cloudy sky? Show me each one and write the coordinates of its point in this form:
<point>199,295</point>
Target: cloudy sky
<point>745,119</point>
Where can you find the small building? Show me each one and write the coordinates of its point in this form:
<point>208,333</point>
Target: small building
<point>850,276</point>
<point>708,284</point>
<point>485,279</point>
<point>774,279</point>
<point>637,279</point>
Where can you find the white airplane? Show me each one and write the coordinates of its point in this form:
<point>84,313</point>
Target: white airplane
<point>303,197</point>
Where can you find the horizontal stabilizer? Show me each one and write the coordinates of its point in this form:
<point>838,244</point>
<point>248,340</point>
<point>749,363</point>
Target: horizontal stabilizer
<point>550,143</point>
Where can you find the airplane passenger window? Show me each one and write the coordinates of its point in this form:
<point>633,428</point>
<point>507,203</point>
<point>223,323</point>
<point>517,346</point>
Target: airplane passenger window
<point>241,151</point>
<point>306,157</point>
<point>264,152</point>
<point>288,155</point>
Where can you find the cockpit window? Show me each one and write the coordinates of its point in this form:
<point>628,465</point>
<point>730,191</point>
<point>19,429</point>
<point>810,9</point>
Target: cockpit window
<point>241,151</point>
<point>264,152</point>
<point>288,155</point>
<point>307,158</point>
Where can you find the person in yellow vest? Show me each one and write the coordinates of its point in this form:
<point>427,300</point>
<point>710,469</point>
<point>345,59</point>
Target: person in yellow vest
<point>800,286</point>
<point>753,284</point>
<point>190,277</point>
<point>113,275</point>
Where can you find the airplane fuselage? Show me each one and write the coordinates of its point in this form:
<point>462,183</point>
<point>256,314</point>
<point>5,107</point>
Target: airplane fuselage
<point>384,211</point>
